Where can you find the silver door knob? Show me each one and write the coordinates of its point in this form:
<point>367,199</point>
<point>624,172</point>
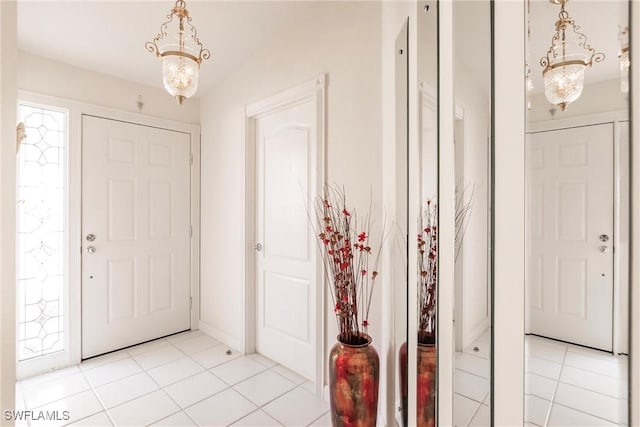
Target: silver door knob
<point>91,237</point>
<point>604,238</point>
<point>91,249</point>
<point>258,247</point>
<point>604,249</point>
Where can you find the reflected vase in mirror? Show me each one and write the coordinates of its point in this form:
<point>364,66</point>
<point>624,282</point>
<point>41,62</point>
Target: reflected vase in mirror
<point>350,266</point>
<point>426,354</point>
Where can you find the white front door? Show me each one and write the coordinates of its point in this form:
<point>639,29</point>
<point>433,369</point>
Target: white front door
<point>286,263</point>
<point>570,234</point>
<point>135,234</point>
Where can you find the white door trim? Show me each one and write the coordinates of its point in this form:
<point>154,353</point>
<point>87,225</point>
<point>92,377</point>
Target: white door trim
<point>620,334</point>
<point>76,110</point>
<point>312,90</point>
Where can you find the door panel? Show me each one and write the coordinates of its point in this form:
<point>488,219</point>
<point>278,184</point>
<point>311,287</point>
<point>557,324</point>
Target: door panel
<point>570,205</point>
<point>136,202</point>
<point>286,266</point>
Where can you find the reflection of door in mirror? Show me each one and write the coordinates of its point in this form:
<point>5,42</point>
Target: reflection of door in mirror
<point>577,185</point>
<point>472,290</point>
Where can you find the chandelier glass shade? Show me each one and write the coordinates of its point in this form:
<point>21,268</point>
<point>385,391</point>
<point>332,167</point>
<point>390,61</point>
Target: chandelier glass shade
<point>566,60</point>
<point>563,83</point>
<point>181,53</point>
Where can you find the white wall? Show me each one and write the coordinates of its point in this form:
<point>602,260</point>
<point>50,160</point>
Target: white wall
<point>7,206</point>
<point>342,40</point>
<point>49,77</point>
<point>473,99</point>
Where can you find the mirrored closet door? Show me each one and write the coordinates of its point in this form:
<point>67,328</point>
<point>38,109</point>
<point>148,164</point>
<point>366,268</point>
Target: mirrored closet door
<point>452,201</point>
<point>424,227</point>
<point>472,201</point>
<point>577,213</point>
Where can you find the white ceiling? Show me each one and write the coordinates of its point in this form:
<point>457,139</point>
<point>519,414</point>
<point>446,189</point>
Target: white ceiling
<point>109,36</point>
<point>600,22</point>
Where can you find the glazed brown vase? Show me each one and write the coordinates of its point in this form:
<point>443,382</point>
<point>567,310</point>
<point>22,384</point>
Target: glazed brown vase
<point>354,372</point>
<point>426,381</point>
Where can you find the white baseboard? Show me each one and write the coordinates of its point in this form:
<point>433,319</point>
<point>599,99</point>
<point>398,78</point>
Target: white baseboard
<point>223,337</point>
<point>475,333</point>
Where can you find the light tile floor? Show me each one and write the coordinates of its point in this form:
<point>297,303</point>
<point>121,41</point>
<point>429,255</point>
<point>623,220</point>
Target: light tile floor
<point>189,379</point>
<point>568,385</point>
<point>565,385</point>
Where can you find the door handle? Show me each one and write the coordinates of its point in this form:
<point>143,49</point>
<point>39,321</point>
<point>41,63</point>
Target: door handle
<point>604,249</point>
<point>91,249</point>
<point>258,247</point>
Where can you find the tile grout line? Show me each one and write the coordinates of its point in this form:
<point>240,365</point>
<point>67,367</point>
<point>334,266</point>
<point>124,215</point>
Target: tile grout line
<point>586,413</point>
<point>311,423</point>
<point>95,394</point>
<point>473,416</point>
<point>171,415</point>
<point>599,393</point>
<point>163,390</point>
<point>555,390</point>
<point>470,398</point>
<point>471,373</point>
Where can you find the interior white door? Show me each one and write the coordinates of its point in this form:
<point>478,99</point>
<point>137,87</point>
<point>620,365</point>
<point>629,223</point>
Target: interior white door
<point>570,226</point>
<point>287,260</point>
<point>135,229</point>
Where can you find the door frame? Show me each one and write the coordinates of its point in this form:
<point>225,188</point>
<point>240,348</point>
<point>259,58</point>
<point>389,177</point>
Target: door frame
<point>312,90</point>
<point>620,315</point>
<point>76,110</point>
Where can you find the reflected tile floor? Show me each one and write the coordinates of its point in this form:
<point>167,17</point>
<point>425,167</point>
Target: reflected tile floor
<point>188,379</point>
<point>568,385</point>
<point>565,385</point>
<point>471,384</point>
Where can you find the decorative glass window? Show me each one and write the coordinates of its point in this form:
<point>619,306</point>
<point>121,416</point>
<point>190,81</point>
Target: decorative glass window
<point>41,213</point>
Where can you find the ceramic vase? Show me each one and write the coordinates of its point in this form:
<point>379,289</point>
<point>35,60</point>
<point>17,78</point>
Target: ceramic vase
<point>353,384</point>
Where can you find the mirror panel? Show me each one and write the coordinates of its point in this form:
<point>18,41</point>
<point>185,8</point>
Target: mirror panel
<point>577,207</point>
<point>399,233</point>
<point>472,195</point>
<point>425,283</point>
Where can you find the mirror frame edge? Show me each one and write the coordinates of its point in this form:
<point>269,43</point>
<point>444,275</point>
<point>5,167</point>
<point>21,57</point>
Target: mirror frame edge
<point>8,111</point>
<point>634,291</point>
<point>508,157</point>
<point>446,214</point>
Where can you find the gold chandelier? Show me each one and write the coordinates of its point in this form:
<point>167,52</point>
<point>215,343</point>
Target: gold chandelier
<point>181,52</point>
<point>566,60</point>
